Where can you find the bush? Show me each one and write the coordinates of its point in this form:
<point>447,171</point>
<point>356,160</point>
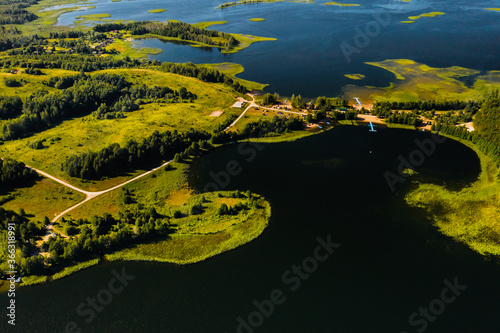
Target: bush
<point>37,144</point>
<point>12,83</point>
<point>71,230</point>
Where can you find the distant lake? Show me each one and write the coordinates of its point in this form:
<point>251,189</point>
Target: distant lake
<point>307,57</point>
<point>391,260</point>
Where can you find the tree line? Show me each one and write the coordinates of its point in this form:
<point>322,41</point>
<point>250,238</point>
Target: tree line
<point>423,105</point>
<point>133,155</point>
<point>202,73</point>
<point>71,62</point>
<point>179,30</point>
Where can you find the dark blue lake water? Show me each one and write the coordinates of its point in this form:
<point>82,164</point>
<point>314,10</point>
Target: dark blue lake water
<point>307,57</point>
<point>390,264</point>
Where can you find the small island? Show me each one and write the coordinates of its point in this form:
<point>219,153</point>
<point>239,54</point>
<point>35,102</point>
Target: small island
<point>333,3</point>
<point>431,14</point>
<point>355,76</point>
<point>157,10</point>
<point>244,2</point>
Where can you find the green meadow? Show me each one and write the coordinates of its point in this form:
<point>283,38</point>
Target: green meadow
<point>44,198</point>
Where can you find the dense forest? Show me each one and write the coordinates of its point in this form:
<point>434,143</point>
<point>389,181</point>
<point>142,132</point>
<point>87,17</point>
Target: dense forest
<point>487,120</point>
<point>15,173</point>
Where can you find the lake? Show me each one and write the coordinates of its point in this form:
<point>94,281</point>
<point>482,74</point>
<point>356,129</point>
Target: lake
<point>387,262</point>
<point>307,57</point>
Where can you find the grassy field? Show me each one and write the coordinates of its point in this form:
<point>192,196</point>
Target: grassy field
<point>73,269</point>
<point>471,215</point>
<point>86,133</point>
<point>160,189</point>
<point>31,83</point>
<point>416,81</point>
<point>45,198</point>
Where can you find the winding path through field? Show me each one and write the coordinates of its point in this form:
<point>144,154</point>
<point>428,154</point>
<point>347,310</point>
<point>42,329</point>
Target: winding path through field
<point>89,195</point>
